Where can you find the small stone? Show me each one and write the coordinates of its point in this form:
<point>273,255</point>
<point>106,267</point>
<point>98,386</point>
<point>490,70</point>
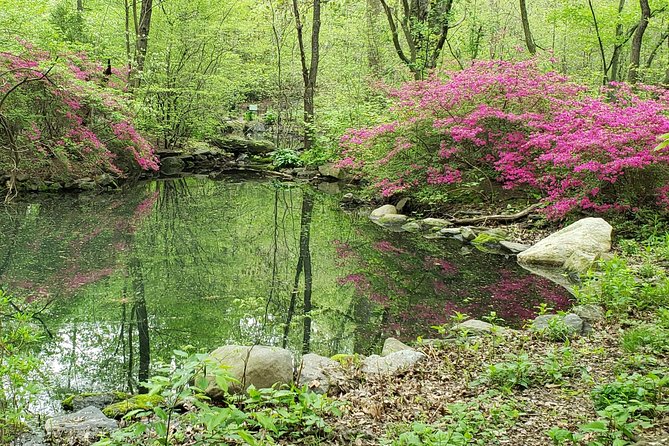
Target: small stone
<point>386,209</point>
<point>467,233</point>
<point>348,197</point>
<point>393,363</point>
<point>412,226</point>
<point>436,222</point>
<point>477,327</point>
<point>392,345</point>
<point>589,312</point>
<point>393,219</point>
<point>572,323</point>
<point>450,231</point>
<point>513,247</point>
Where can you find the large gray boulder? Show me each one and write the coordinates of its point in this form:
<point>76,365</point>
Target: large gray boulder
<point>81,428</point>
<point>258,365</point>
<point>575,247</point>
<point>393,363</point>
<point>320,374</point>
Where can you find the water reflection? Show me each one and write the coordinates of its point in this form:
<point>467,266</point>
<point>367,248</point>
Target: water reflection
<point>202,263</point>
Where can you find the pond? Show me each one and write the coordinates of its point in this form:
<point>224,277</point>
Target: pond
<point>123,279</point>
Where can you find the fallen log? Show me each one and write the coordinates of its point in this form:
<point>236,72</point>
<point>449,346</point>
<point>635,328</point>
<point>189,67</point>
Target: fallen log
<point>498,217</point>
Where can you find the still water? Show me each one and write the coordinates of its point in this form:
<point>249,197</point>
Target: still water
<point>124,279</point>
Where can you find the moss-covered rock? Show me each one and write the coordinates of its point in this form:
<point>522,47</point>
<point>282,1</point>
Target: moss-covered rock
<point>78,401</point>
<point>120,409</point>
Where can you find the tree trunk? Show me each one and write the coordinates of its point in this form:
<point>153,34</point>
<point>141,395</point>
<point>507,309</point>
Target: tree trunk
<point>529,41</point>
<point>80,5</point>
<point>635,54</point>
<point>615,57</point>
<point>309,69</point>
<point>373,12</point>
<point>305,253</point>
<point>142,39</point>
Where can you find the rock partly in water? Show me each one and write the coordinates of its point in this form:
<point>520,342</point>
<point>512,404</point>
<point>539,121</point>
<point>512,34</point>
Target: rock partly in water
<point>259,366</point>
<point>554,324</point>
<point>392,345</point>
<point>386,209</point>
<point>172,165</point>
<point>320,374</point>
<point>513,247</point>
<point>393,363</point>
<point>80,428</point>
<point>586,240</point>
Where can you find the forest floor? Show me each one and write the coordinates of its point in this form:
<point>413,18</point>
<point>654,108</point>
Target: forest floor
<point>508,389</point>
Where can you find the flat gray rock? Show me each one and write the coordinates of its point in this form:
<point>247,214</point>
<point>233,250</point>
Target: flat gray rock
<point>393,363</point>
<point>513,247</point>
<point>80,428</point>
<point>476,326</point>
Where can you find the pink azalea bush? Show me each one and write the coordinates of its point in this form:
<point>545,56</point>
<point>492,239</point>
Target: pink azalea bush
<point>66,119</point>
<point>512,125</point>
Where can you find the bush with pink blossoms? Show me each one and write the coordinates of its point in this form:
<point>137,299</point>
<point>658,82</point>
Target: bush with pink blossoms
<point>511,125</point>
<point>63,118</point>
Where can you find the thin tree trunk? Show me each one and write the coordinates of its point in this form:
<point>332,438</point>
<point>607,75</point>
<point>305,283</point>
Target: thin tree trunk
<point>529,40</point>
<point>605,77</point>
<point>309,70</point>
<point>80,5</point>
<point>637,40</point>
<point>617,47</point>
<point>142,39</point>
<point>305,253</point>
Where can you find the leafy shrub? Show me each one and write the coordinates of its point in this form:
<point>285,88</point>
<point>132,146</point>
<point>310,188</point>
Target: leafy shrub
<point>647,337</point>
<point>62,118</point>
<point>645,391</point>
<point>518,372</point>
<point>18,366</point>
<point>285,157</point>
<point>525,129</point>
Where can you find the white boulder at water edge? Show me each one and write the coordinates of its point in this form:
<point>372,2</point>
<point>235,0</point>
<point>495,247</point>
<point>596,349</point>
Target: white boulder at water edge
<point>574,248</point>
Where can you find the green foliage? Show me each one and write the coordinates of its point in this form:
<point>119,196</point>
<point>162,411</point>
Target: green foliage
<point>474,422</point>
<point>624,407</point>
<point>285,157</point>
<point>646,337</point>
<point>621,289</point>
<point>521,372</point>
<point>19,366</point>
<point>262,417</point>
